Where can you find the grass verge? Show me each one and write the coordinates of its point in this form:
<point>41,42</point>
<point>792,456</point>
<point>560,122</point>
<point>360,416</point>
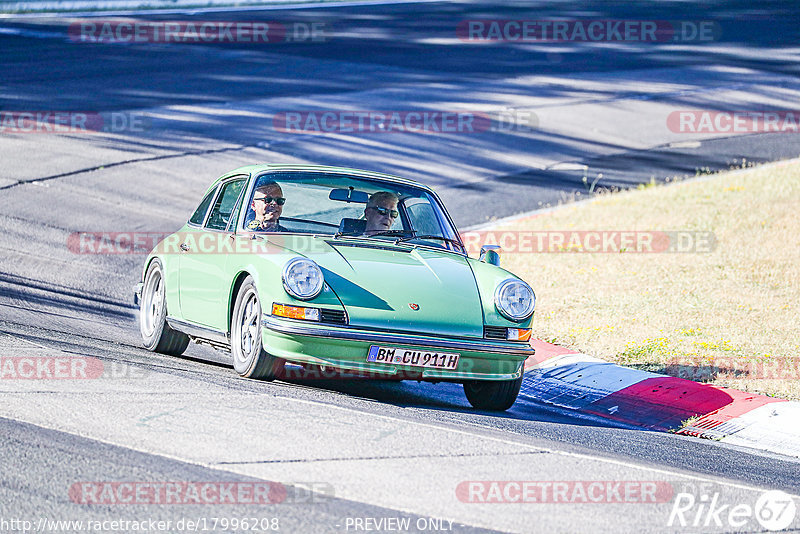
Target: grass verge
<point>728,316</point>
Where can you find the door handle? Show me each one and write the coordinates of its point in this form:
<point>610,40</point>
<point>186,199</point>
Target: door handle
<point>184,247</point>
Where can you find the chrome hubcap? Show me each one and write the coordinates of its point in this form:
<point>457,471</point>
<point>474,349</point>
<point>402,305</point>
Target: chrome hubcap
<point>249,324</point>
<point>152,307</point>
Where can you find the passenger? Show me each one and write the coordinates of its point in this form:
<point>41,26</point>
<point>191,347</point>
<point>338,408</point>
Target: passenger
<point>267,204</point>
<point>380,213</point>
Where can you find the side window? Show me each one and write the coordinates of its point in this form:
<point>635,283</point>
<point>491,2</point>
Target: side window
<point>200,212</point>
<point>225,204</point>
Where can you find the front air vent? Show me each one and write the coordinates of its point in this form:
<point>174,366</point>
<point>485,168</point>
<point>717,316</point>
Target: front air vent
<point>332,316</point>
<point>494,332</point>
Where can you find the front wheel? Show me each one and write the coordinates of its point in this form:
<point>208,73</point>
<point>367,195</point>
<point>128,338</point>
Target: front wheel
<point>495,395</point>
<point>157,336</point>
<point>249,358</point>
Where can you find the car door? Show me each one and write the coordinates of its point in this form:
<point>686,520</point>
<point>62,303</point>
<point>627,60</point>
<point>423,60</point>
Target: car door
<point>203,283</point>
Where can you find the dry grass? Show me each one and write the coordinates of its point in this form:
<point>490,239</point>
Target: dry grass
<point>729,317</point>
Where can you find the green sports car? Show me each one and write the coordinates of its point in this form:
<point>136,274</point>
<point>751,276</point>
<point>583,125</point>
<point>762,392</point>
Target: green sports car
<point>341,269</point>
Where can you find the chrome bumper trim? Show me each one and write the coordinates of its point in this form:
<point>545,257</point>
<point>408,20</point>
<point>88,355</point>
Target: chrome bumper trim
<point>399,339</point>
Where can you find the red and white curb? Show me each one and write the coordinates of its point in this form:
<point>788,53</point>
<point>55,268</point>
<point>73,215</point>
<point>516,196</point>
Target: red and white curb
<point>569,379</point>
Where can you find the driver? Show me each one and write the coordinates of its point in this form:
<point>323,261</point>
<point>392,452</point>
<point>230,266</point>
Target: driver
<point>267,204</point>
<point>380,213</point>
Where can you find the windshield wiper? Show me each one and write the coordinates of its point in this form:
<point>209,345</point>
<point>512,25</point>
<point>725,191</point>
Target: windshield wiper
<point>393,233</point>
<point>364,236</point>
<point>430,236</point>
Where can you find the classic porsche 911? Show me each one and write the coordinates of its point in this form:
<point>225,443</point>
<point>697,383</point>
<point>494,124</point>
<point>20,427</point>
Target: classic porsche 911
<point>337,268</point>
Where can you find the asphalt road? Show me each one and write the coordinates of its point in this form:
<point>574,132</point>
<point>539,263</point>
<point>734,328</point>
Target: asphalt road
<point>367,449</point>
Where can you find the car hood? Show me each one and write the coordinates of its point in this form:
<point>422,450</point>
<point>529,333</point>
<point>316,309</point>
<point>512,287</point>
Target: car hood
<point>401,288</point>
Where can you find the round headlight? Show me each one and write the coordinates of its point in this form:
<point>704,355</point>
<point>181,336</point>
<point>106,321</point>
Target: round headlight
<point>514,299</point>
<point>302,278</point>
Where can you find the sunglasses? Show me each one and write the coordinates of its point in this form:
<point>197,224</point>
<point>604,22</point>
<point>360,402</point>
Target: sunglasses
<point>386,211</point>
<point>280,201</point>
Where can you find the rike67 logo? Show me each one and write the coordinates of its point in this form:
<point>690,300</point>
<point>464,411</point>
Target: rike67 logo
<point>772,510</point>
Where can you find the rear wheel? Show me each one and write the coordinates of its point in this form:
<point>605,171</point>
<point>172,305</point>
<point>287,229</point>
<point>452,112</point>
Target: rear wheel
<point>249,357</point>
<point>495,395</point>
<point>157,336</point>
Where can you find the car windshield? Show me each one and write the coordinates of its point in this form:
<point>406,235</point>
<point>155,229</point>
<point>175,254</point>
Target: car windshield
<point>346,206</point>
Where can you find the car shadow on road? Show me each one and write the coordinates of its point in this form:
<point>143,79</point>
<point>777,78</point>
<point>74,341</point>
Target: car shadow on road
<point>441,397</point>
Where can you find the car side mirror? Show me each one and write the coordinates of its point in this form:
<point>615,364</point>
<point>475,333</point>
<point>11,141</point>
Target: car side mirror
<point>490,254</point>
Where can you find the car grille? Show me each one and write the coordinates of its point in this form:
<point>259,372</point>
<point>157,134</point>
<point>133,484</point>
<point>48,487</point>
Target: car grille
<point>332,316</point>
<point>494,332</point>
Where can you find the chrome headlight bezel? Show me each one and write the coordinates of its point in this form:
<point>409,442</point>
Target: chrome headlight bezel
<point>499,293</point>
<point>289,283</point>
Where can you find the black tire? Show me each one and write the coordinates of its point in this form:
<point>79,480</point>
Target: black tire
<point>494,395</point>
<point>250,359</point>
<point>157,336</point>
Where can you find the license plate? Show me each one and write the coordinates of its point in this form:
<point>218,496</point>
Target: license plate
<point>412,357</point>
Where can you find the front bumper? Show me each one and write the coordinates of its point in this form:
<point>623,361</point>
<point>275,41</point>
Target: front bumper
<point>346,348</point>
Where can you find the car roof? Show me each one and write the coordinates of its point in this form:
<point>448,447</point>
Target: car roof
<point>263,167</point>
